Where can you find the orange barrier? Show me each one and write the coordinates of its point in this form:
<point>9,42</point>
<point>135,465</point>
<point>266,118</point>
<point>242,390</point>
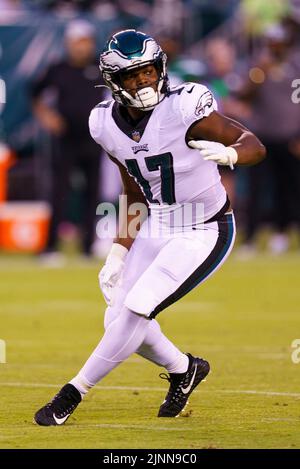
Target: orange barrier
<point>7,159</point>
<point>24,226</point>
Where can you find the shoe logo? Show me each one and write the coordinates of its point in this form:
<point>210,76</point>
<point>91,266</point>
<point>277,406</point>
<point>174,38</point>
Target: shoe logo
<point>187,390</point>
<point>60,421</point>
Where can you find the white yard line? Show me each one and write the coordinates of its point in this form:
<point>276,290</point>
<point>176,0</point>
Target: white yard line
<point>272,356</point>
<point>263,393</point>
<point>145,388</point>
<point>138,427</point>
<point>270,420</point>
<point>103,388</point>
<point>113,425</point>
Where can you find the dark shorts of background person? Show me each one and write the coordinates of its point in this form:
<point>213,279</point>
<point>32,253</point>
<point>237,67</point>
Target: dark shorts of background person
<point>84,156</point>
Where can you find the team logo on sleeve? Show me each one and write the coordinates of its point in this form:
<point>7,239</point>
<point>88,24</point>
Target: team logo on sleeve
<point>205,101</point>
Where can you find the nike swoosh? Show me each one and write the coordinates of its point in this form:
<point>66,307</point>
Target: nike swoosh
<point>191,89</point>
<point>60,421</point>
<point>186,390</point>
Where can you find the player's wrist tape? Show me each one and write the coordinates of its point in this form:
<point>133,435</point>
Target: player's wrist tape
<point>118,250</point>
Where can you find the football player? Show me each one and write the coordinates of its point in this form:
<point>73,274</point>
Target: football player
<point>167,144</point>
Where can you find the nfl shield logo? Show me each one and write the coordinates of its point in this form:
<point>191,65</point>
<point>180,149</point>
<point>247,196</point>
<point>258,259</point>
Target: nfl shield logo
<point>136,136</point>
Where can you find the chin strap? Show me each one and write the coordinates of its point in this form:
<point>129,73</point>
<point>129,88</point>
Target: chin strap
<point>102,86</point>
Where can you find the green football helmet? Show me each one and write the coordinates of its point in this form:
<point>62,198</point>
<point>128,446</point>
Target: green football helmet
<point>128,50</point>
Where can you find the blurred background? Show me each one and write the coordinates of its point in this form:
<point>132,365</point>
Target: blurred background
<point>52,175</point>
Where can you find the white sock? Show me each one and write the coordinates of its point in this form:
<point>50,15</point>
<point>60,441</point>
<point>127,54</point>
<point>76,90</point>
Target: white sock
<point>157,348</point>
<point>80,384</point>
<point>121,339</point>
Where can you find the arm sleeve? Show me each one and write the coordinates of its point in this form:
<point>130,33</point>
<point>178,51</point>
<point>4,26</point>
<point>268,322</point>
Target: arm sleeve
<point>197,102</point>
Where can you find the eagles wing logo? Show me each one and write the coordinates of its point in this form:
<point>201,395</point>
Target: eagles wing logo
<point>206,100</point>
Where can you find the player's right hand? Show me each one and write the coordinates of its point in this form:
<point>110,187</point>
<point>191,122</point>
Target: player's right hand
<point>215,151</point>
<point>110,276</point>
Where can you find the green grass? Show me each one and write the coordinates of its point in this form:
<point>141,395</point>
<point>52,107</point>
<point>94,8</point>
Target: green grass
<point>243,320</point>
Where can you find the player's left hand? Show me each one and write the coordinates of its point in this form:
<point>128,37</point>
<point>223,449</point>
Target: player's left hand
<point>214,151</point>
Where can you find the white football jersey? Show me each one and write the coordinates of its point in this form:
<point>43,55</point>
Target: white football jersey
<point>156,154</point>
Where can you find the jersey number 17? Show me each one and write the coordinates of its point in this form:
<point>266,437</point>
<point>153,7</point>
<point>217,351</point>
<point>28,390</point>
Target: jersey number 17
<point>162,163</point>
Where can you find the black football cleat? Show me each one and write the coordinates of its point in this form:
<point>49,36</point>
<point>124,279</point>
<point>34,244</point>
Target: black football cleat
<point>60,408</point>
<point>182,385</point>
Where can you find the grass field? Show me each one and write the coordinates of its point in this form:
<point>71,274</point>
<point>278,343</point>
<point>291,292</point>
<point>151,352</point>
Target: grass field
<point>243,320</point>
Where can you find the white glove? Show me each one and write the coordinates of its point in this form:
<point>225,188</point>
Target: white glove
<point>110,276</point>
<point>214,151</point>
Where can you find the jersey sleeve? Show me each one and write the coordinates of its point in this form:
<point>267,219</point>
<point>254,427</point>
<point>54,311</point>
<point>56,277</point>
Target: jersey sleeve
<point>197,102</point>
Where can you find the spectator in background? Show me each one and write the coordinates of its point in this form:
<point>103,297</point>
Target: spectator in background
<point>181,68</point>
<point>259,14</point>
<point>172,47</point>
<point>224,79</point>
<point>72,83</point>
<point>275,119</point>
